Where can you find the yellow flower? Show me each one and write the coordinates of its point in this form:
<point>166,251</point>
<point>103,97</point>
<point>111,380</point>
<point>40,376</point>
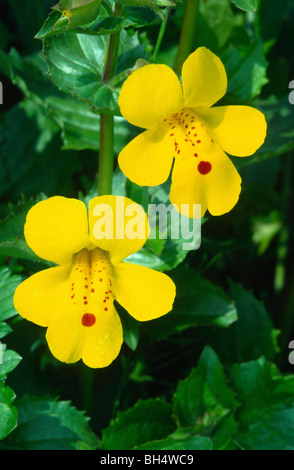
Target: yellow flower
<point>75,298</point>
<point>181,124</point>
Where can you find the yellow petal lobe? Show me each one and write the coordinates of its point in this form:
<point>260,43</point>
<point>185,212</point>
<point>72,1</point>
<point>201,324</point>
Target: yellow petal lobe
<point>150,94</point>
<point>146,294</point>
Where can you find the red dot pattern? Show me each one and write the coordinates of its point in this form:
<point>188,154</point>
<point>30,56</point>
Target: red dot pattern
<point>94,268</point>
<point>190,138</point>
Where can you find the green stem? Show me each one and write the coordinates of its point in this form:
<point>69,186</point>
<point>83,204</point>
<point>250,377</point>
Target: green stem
<point>159,40</point>
<point>106,154</point>
<point>187,34</point>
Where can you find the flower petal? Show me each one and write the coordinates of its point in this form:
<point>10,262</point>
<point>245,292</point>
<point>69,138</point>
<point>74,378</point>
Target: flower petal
<point>117,225</point>
<point>57,228</point>
<point>210,180</point>
<point>73,335</point>
<point>39,296</point>
<point>204,79</point>
<point>144,293</point>
<point>147,159</point>
<point>239,130</point>
<point>150,94</point>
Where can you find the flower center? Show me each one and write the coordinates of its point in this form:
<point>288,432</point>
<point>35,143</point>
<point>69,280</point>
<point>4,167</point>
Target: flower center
<point>90,284</point>
<point>190,138</point>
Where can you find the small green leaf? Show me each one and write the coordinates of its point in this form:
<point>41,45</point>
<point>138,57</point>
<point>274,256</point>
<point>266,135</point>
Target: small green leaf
<point>266,415</point>
<point>246,5</point>
<point>12,242</point>
<point>204,398</point>
<point>8,412</point>
<point>10,361</point>
<point>148,420</point>
<point>252,335</point>
<point>77,12</point>
<point>153,4</point>
<point>49,424</point>
<point>8,284</point>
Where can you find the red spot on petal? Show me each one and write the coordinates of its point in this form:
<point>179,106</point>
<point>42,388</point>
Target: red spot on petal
<point>198,141</point>
<point>85,303</point>
<point>88,319</point>
<point>100,280</point>
<point>204,167</point>
<point>86,286</point>
<point>92,290</point>
<point>106,309</point>
<point>195,154</point>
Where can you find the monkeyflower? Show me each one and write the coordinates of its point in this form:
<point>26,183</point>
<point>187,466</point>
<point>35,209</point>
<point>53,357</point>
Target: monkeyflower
<point>75,298</point>
<point>185,130</point>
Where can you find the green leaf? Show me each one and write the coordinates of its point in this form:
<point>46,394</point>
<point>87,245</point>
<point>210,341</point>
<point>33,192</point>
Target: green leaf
<point>246,5</point>
<point>49,424</point>
<point>80,126</point>
<point>104,24</point>
<point>12,242</point>
<point>8,412</point>
<point>75,63</point>
<point>246,67</point>
<point>78,12</point>
<point>11,359</point>
<point>280,135</point>
<point>148,420</point>
<point>130,328</point>
<point>178,441</point>
<point>252,335</point>
<point>204,398</point>
<point>8,284</point>
<point>153,4</point>
<point>217,25</point>
<point>198,302</point>
<point>266,415</point>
